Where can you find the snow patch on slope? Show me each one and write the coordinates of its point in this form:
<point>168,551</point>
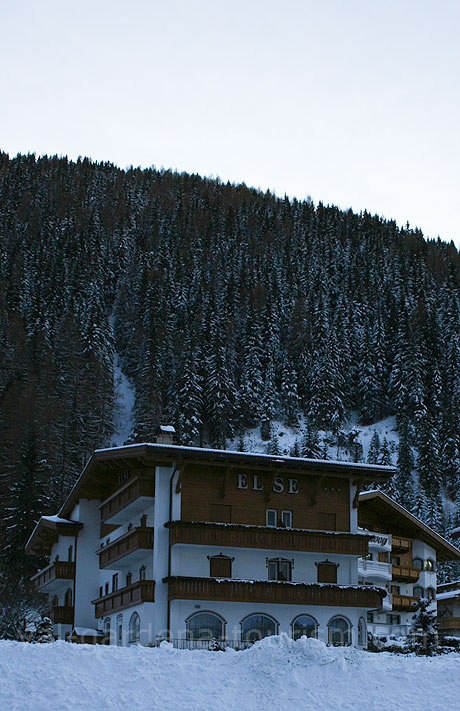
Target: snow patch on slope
<point>125,399</point>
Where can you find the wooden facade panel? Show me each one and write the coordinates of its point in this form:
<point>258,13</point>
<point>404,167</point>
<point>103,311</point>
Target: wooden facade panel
<point>243,496</point>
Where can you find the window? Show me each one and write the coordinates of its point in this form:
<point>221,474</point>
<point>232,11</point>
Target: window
<point>101,591</point>
<point>142,573</point>
<point>361,632</point>
<point>327,521</point>
<point>129,579</point>
<point>418,563</point>
<point>115,582</point>
<point>370,617</point>
<point>70,554</point>
<point>272,517</point>
<point>106,639</point>
<point>68,598</point>
<point>327,572</point>
<point>279,569</point>
<point>221,513</point>
<point>418,591</point>
<point>304,626</point>
<point>339,632</point>
<point>120,630</point>
<point>395,589</point>
<point>106,588</point>
<point>393,619</point>
<point>205,625</point>
<point>431,593</point>
<point>134,628</point>
<point>220,566</point>
<point>286,519</point>
<point>255,627</point>
<point>395,560</point>
<point>430,565</point>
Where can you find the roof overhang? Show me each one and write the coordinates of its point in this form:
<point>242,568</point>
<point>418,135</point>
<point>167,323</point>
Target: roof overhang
<point>47,532</point>
<point>104,464</point>
<point>389,511</point>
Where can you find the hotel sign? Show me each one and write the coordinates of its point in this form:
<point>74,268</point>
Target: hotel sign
<point>280,484</point>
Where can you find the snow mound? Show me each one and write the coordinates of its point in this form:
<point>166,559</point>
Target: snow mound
<point>276,673</point>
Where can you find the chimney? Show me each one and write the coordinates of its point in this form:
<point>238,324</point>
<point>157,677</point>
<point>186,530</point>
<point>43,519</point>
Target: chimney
<point>166,434</point>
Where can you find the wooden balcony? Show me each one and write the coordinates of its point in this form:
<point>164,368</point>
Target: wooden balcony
<point>405,575</point>
<point>287,539</point>
<point>61,615</point>
<point>134,543</point>
<point>400,545</point>
<point>405,603</point>
<point>134,594</point>
<point>261,591</point>
<point>448,625</point>
<point>59,570</point>
<point>130,500</point>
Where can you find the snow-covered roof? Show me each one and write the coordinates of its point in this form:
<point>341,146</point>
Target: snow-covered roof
<point>86,632</point>
<point>167,428</point>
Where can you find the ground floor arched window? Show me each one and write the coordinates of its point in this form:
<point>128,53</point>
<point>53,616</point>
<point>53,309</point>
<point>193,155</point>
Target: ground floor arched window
<point>304,626</point>
<point>361,631</point>
<point>107,630</point>
<point>205,625</point>
<point>134,628</point>
<point>255,627</point>
<point>339,632</point>
<point>120,630</point>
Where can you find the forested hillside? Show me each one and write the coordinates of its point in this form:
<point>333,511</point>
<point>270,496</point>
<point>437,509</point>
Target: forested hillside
<point>231,308</point>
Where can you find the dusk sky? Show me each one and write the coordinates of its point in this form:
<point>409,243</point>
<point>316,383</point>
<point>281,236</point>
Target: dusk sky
<point>352,102</point>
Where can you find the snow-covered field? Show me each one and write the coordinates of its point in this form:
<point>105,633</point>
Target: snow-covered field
<point>276,674</point>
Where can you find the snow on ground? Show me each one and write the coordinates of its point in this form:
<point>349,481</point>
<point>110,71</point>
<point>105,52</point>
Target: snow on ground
<point>276,673</point>
<point>125,400</point>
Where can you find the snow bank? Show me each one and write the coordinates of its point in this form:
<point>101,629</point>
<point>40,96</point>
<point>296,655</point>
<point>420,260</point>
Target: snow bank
<point>276,674</point>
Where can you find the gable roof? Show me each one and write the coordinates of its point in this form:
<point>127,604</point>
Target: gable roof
<point>377,502</point>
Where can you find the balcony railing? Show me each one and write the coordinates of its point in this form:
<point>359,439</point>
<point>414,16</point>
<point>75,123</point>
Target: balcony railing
<point>186,588</point>
<point>405,575</point>
<point>405,603</point>
<point>448,624</point>
<point>61,615</point>
<point>399,545</point>
<point>137,488</point>
<point>134,594</point>
<point>59,570</point>
<point>374,568</point>
<point>288,539</point>
<point>137,539</point>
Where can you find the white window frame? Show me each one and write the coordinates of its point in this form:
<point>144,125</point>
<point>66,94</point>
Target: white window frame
<point>267,514</point>
<point>289,512</point>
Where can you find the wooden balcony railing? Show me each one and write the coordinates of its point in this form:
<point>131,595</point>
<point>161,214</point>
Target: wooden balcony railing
<point>405,603</point>
<point>134,489</point>
<point>448,624</point>
<point>399,544</point>
<point>140,538</point>
<point>59,570</point>
<point>405,575</point>
<point>185,588</point>
<point>288,539</point>
<point>141,591</point>
<point>61,615</point>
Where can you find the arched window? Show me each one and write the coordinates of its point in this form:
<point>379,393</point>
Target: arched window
<point>339,632</point>
<point>361,632</point>
<point>68,598</point>
<point>418,591</point>
<point>107,630</point>
<point>430,565</point>
<point>279,569</point>
<point>119,630</point>
<point>430,593</point>
<point>418,563</point>
<point>134,628</point>
<point>205,625</point>
<point>255,627</point>
<point>304,626</point>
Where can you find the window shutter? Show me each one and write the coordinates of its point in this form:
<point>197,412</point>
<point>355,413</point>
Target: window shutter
<point>220,567</point>
<point>327,521</point>
<point>327,573</point>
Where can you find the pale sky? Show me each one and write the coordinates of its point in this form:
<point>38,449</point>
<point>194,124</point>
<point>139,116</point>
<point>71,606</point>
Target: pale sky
<point>354,102</point>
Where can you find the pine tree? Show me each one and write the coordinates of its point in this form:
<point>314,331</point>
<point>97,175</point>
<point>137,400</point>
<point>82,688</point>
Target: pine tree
<point>373,455</point>
<point>424,635</point>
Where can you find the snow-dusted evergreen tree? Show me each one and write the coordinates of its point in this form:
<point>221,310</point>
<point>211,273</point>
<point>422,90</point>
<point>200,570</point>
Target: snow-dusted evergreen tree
<point>424,634</point>
<point>373,455</point>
